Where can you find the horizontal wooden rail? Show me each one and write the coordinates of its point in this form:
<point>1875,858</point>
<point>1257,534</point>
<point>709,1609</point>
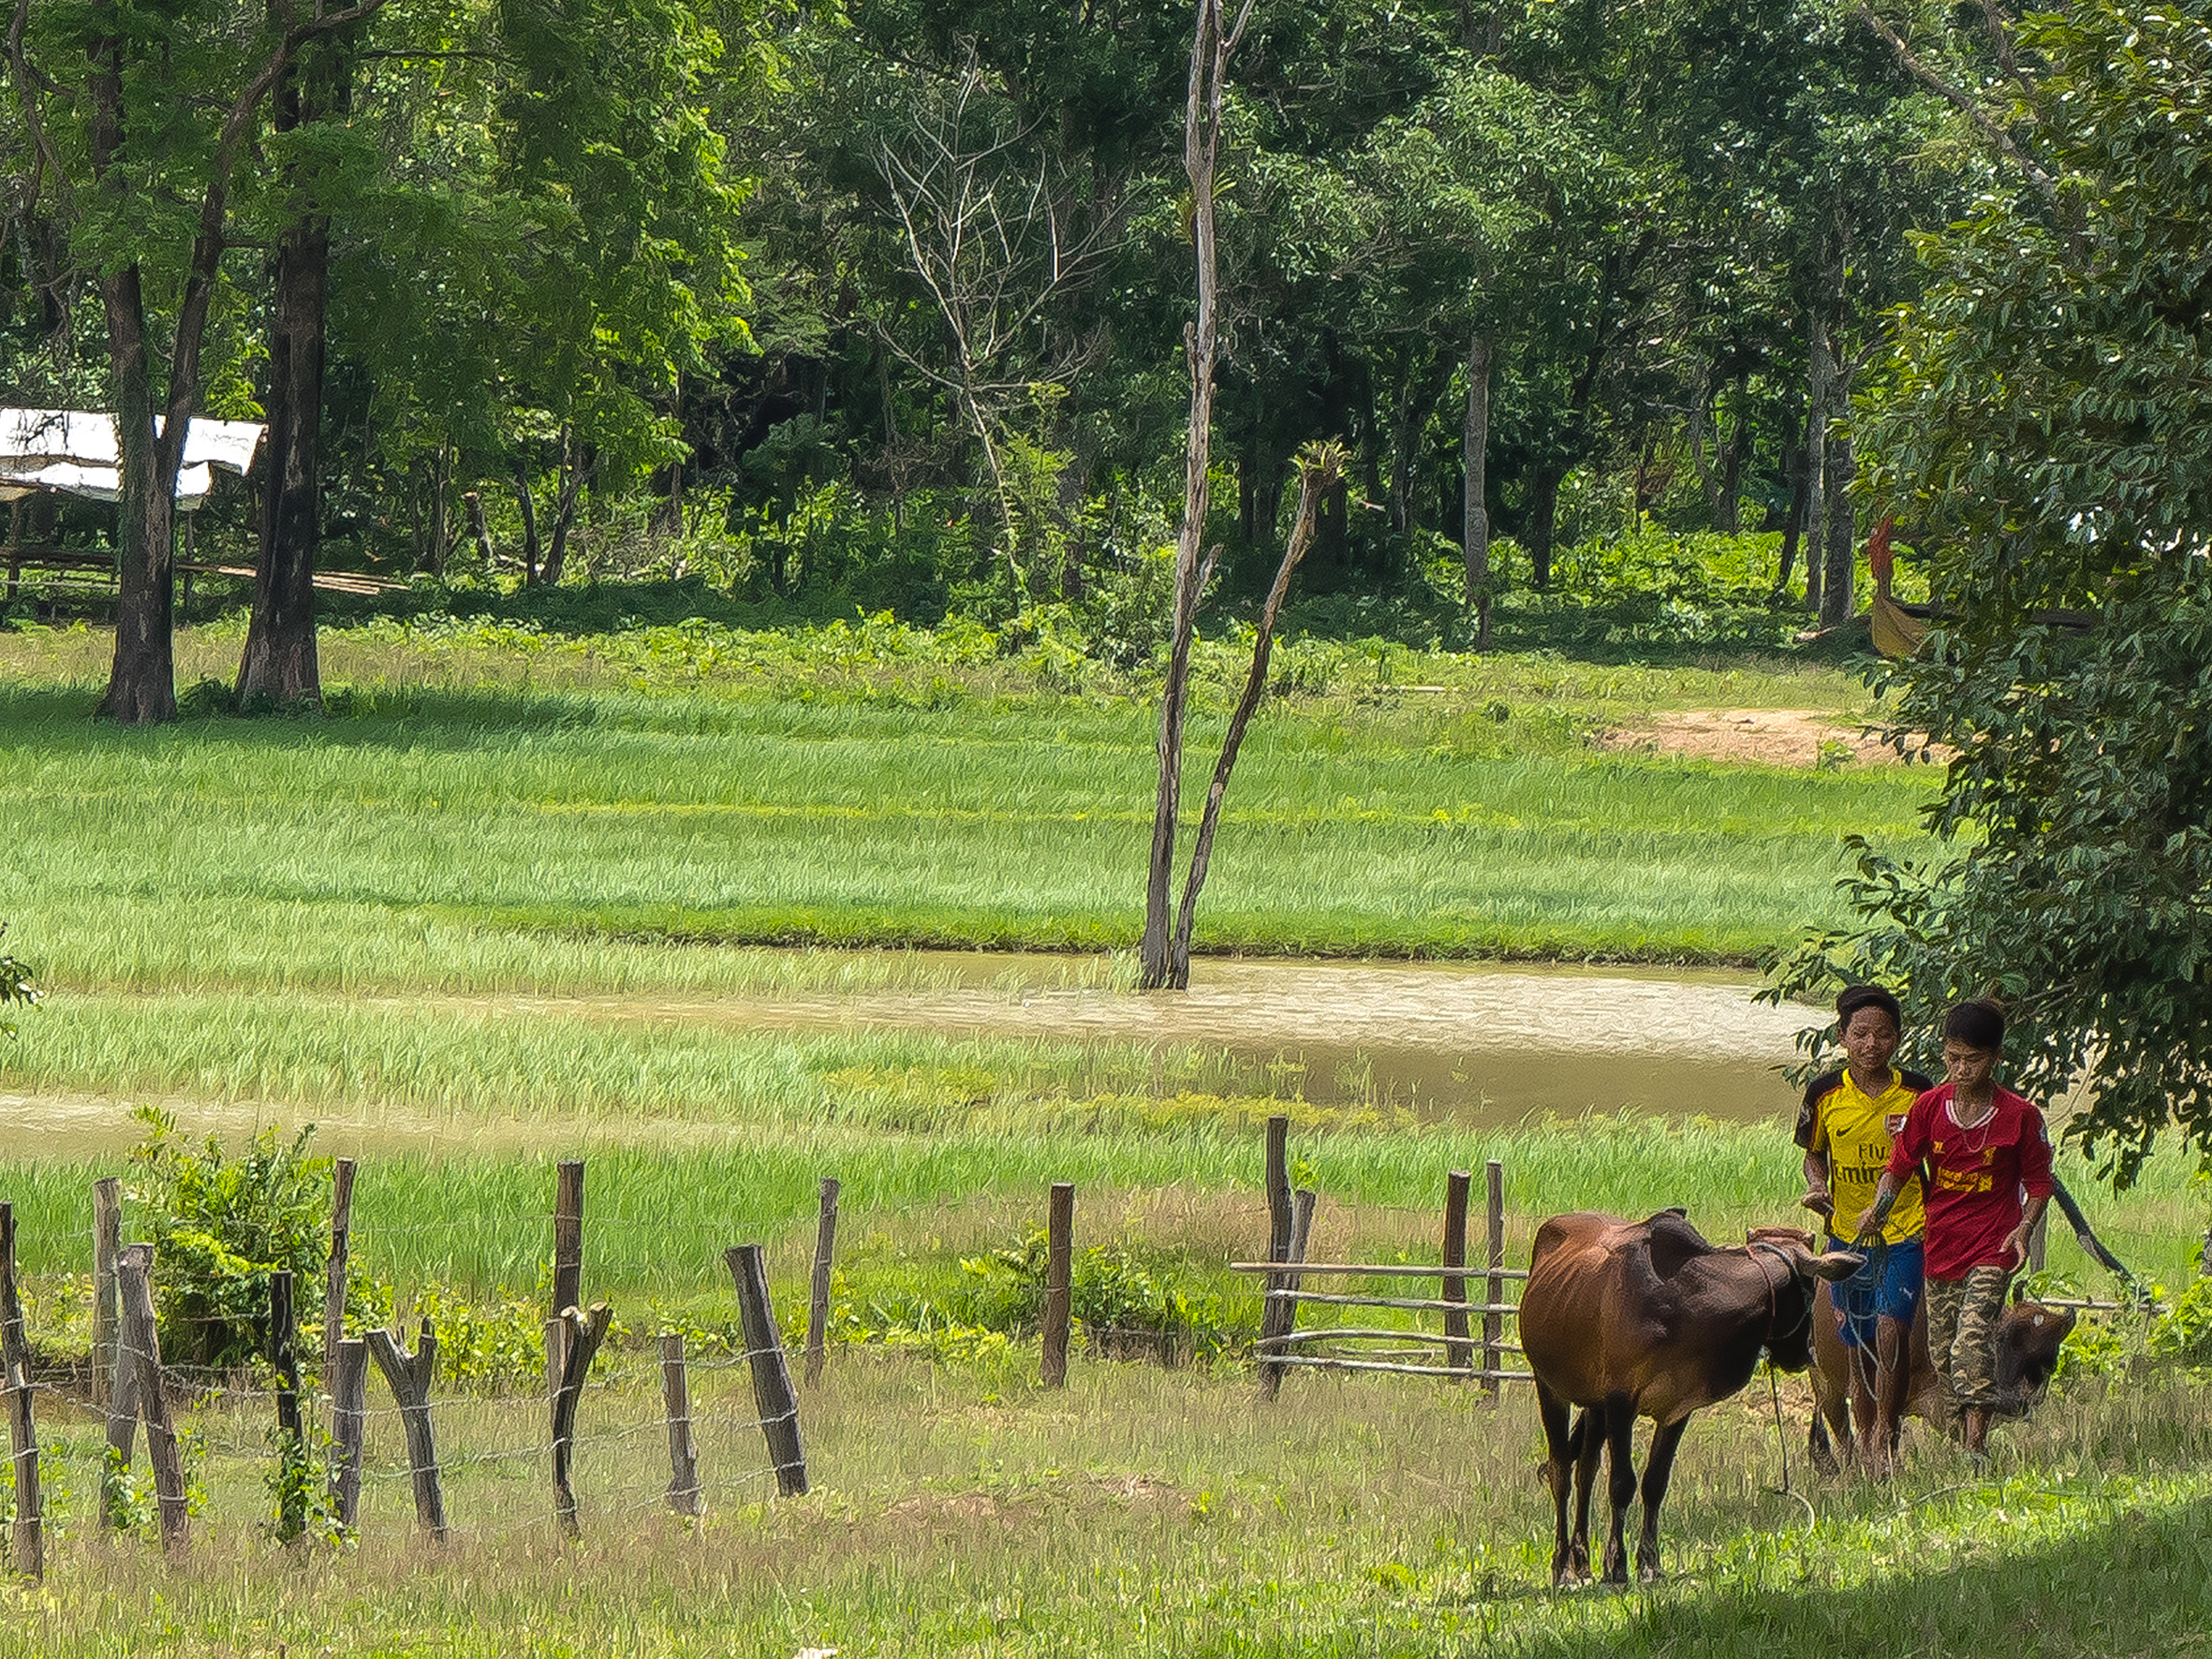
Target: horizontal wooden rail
<point>1424,1304</point>
<point>1322,1334</point>
<point>1384,1270</point>
<point>1321,1363</point>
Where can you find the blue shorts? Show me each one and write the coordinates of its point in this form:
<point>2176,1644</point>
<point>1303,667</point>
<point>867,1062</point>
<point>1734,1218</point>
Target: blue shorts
<point>1887,1288</point>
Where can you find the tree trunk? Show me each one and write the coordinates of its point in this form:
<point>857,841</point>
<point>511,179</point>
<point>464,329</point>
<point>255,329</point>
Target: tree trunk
<point>1819,379</point>
<point>1837,600</point>
<point>527,502</point>
<point>574,471</point>
<point>1212,42</point>
<point>143,683</point>
<point>474,501</point>
<point>1474,501</point>
<point>1731,469</point>
<point>280,660</point>
<point>280,652</point>
<point>1544,520</point>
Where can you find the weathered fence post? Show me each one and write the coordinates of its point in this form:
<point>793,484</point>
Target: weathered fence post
<point>349,1413</point>
<point>107,1238</point>
<point>291,1439</point>
<point>586,1331</point>
<point>771,1378</point>
<point>1493,1321</point>
<point>675,1395</point>
<point>567,1274</point>
<point>1278,1188</point>
<point>1059,1286</point>
<point>15,1372</point>
<point>134,1268</point>
<point>1281,1314</point>
<point>818,1303</point>
<point>122,1418</point>
<point>1457,1183</point>
<point>334,1288</point>
<point>409,1378</point>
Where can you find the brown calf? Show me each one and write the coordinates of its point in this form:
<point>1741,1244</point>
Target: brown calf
<point>1647,1319</point>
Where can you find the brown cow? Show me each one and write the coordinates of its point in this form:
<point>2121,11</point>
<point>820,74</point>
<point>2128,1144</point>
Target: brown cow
<point>2027,1343</point>
<point>1629,1319</point>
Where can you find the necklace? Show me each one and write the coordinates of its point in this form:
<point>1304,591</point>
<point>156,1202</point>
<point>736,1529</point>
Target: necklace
<point>1986,1122</point>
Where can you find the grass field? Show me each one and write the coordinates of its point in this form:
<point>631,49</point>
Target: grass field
<point>279,919</point>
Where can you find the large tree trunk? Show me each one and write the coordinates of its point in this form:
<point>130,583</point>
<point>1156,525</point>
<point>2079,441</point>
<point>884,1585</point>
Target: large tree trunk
<point>1819,381</point>
<point>1544,521</point>
<point>1794,522</point>
<point>1731,468</point>
<point>1214,41</point>
<point>1837,601</point>
<point>280,661</point>
<point>142,681</point>
<point>1474,501</point>
<point>575,470</point>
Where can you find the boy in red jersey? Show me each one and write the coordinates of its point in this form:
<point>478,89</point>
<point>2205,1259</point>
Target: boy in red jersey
<point>1978,1148</point>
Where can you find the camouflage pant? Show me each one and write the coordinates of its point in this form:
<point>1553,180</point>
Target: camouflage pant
<point>1963,1315</point>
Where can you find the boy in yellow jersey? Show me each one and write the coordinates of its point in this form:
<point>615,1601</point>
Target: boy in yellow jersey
<point>1846,1125</point>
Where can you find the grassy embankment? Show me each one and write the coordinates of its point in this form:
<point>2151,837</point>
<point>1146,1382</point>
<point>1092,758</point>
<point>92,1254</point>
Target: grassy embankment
<point>342,918</point>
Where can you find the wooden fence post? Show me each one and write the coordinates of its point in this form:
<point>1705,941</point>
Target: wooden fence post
<point>409,1378</point>
<point>1281,1314</point>
<point>817,1304</point>
<point>107,1238</point>
<point>568,1273</point>
<point>333,1289</point>
<point>676,1394</point>
<point>1278,1188</point>
<point>1059,1285</point>
<point>134,1268</point>
<point>586,1331</point>
<point>349,1413</point>
<point>15,1372</point>
<point>1456,1184</point>
<point>291,1440</point>
<point>771,1378</point>
<point>1493,1321</point>
<point>123,1417</point>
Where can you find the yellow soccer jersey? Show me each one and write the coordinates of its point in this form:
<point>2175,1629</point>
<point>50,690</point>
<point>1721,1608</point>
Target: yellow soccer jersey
<point>1854,1134</point>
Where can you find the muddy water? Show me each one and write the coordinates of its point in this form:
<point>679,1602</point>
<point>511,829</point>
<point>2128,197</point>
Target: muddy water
<point>1473,1043</point>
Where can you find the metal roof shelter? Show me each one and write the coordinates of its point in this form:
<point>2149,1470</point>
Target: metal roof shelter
<point>76,453</point>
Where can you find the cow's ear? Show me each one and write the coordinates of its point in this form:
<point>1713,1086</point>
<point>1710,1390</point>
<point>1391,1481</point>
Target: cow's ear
<point>1835,1264</point>
<point>2019,1293</point>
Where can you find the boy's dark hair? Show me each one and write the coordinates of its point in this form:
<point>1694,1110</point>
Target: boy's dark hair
<point>1979,1024</point>
<point>1855,997</point>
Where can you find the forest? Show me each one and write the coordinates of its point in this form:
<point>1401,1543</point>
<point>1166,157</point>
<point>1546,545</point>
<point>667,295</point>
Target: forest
<point>884,305</point>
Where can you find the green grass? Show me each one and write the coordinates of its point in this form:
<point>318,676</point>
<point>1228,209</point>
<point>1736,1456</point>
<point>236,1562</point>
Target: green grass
<point>486,836</point>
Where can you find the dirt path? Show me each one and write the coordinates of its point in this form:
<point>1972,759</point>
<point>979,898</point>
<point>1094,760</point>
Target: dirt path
<point>1769,737</point>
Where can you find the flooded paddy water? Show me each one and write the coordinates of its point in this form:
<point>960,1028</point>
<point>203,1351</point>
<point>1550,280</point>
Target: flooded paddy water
<point>1479,1044</point>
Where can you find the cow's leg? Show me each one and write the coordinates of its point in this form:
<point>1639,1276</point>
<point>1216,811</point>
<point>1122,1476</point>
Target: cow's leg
<point>1589,1446</point>
<point>1559,1473</point>
<point>1620,1483</point>
<point>1658,1466</point>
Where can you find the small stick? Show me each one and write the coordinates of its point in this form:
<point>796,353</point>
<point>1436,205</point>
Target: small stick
<point>349,1422</point>
<point>284,1353</point>
<point>818,1306</point>
<point>333,1292</point>
<point>587,1332</point>
<point>107,1238</point>
<point>1492,1327</point>
<point>408,1376</point>
<point>1058,1282</point>
<point>15,1371</point>
<point>771,1378</point>
<point>676,1394</point>
<point>1456,1184</point>
<point>134,1267</point>
<point>1278,1188</point>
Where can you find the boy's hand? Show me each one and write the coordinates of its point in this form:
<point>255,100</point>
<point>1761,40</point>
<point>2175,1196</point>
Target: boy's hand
<point>1818,1201</point>
<point>2016,1249</point>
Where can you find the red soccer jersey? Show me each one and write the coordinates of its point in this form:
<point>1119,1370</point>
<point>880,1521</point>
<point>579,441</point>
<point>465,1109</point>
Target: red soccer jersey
<point>1974,1176</point>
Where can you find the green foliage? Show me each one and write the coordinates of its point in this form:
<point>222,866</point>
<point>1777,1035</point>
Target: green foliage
<point>221,1222</point>
<point>16,988</point>
<point>1130,1298</point>
<point>2046,430</point>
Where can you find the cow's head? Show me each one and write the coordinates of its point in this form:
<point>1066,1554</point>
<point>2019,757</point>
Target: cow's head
<point>1789,1340</point>
<point>2029,1338</point>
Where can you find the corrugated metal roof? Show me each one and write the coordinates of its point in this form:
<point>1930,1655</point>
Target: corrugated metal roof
<point>76,453</point>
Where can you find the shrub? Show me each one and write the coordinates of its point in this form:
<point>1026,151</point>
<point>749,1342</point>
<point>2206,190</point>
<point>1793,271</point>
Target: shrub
<point>221,1224</point>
